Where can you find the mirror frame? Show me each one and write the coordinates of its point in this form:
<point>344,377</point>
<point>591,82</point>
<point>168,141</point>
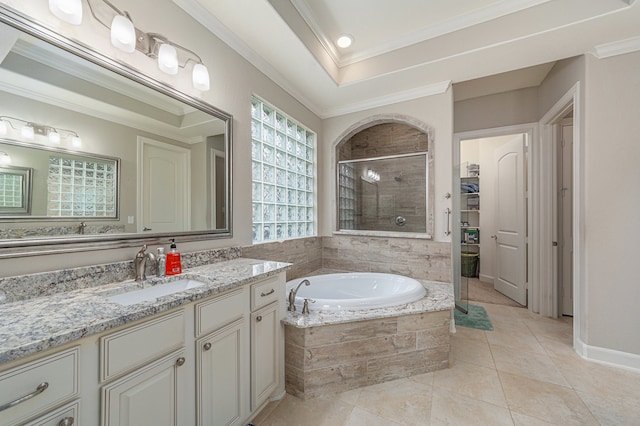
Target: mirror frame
<point>53,245</point>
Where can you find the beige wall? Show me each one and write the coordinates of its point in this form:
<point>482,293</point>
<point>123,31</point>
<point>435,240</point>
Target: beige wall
<point>612,200</point>
<point>502,109</point>
<point>233,81</point>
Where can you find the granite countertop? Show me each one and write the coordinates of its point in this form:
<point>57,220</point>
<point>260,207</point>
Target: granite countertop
<point>439,297</point>
<point>41,323</point>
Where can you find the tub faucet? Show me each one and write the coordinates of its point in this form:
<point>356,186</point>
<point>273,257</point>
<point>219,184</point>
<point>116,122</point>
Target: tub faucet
<point>292,295</point>
<point>140,262</point>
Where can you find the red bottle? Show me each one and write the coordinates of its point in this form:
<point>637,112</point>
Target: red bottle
<point>174,264</point>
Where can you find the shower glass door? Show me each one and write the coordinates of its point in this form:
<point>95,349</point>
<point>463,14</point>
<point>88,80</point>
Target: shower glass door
<point>460,282</point>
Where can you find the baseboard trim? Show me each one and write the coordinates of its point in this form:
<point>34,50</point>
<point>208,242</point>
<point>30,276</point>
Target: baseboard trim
<point>611,357</point>
<point>486,279</point>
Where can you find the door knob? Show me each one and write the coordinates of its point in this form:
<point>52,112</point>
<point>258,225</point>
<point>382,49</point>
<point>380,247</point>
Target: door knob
<point>180,361</point>
<point>495,237</point>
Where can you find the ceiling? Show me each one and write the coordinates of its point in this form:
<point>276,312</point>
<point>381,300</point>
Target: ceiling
<point>405,49</point>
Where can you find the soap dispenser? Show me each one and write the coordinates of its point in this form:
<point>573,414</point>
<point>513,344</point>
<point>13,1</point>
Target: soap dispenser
<point>162,262</point>
<point>174,264</point>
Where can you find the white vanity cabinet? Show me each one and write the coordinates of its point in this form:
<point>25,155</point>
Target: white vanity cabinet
<point>221,359</point>
<point>35,389</point>
<point>215,361</point>
<point>266,345</point>
<point>150,361</point>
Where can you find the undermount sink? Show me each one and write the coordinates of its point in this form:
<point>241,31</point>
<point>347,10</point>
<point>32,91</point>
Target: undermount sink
<point>152,293</point>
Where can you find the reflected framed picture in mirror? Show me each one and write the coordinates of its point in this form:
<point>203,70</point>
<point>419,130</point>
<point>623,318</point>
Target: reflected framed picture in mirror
<point>15,190</point>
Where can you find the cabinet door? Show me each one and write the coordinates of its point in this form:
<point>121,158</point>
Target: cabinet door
<point>220,376</point>
<point>152,395</point>
<point>265,339</point>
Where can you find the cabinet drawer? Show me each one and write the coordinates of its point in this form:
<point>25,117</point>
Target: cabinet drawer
<point>68,413</point>
<point>58,371</point>
<point>265,292</point>
<point>137,345</point>
<point>218,311</point>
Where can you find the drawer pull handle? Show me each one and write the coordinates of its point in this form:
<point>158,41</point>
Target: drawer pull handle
<point>259,318</point>
<point>273,290</point>
<point>67,421</point>
<point>41,388</point>
<point>207,346</point>
<point>180,361</point>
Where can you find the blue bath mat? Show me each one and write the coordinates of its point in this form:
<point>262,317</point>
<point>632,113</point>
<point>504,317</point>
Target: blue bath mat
<point>476,317</point>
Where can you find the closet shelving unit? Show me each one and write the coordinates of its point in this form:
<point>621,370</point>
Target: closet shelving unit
<point>470,213</point>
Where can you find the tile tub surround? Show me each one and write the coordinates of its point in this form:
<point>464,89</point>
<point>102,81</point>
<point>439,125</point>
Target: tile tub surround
<point>329,352</point>
<point>41,323</point>
<point>417,258</point>
<point>14,289</point>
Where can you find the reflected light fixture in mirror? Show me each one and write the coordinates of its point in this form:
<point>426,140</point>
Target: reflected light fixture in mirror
<point>126,37</point>
<point>69,11</point>
<point>29,130</point>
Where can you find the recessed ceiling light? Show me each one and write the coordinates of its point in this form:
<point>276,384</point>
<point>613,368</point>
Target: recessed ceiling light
<point>344,41</point>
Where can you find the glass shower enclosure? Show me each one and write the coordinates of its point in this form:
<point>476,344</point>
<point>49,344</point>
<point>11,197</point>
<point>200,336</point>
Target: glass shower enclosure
<point>383,194</point>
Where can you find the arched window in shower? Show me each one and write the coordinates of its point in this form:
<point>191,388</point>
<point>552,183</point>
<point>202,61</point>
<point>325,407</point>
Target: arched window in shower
<point>383,179</point>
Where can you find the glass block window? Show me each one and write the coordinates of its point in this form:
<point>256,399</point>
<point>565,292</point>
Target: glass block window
<point>81,188</point>
<point>283,175</point>
<point>347,195</point>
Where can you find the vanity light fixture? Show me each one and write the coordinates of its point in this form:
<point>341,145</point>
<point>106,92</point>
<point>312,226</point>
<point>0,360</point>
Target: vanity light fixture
<point>344,41</point>
<point>5,158</point>
<point>125,36</point>
<point>69,11</point>
<point>29,130</point>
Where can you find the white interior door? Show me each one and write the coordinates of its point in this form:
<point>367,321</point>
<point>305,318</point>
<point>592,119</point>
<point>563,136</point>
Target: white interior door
<point>164,186</point>
<point>511,256</point>
<point>566,218</point>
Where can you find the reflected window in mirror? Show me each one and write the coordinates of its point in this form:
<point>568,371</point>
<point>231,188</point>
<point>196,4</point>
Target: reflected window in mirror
<point>15,190</point>
<point>77,187</point>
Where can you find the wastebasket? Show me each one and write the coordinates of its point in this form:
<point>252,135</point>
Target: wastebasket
<point>469,264</point>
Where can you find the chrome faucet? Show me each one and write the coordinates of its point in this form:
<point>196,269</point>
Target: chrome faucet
<point>140,262</point>
<point>292,295</point>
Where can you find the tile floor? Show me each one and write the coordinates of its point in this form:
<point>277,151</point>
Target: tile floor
<point>523,373</point>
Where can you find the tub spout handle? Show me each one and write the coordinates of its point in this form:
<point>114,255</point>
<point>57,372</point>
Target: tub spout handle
<point>305,307</point>
<point>292,295</point>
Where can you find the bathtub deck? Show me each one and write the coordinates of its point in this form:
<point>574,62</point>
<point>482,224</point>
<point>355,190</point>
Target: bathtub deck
<point>328,352</point>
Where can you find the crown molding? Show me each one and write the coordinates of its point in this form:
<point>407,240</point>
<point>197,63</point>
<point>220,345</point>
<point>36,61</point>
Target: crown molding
<point>457,23</point>
<point>616,48</point>
<point>407,95</point>
<point>217,28</point>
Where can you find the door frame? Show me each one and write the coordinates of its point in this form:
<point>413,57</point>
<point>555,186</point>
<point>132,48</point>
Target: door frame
<point>531,130</point>
<point>548,138</point>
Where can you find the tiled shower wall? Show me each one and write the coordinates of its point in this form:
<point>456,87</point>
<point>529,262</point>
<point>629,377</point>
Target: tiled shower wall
<point>412,257</point>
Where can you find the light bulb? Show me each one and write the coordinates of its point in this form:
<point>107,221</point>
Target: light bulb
<point>5,158</point>
<point>54,136</point>
<point>76,142</point>
<point>67,10</point>
<point>27,132</point>
<point>200,77</point>
<point>344,41</point>
<point>123,34</point>
<point>3,127</point>
<point>168,59</point>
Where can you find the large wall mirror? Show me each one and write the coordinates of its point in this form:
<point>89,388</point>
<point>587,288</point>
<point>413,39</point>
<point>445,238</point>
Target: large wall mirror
<point>95,153</point>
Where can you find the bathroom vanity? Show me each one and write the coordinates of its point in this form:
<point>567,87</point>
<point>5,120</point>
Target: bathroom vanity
<point>208,355</point>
